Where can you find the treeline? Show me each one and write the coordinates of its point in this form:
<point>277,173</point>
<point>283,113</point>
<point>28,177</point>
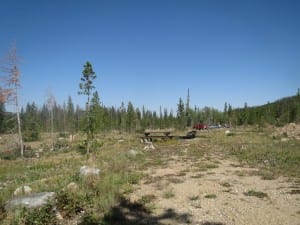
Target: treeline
<point>278,113</point>
<point>127,118</point>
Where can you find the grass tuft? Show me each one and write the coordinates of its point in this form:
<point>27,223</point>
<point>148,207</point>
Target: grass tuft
<point>257,194</point>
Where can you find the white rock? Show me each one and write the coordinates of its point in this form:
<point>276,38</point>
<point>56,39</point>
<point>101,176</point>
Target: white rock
<point>58,216</point>
<point>227,132</point>
<point>30,201</point>
<point>149,146</point>
<point>24,190</point>
<point>85,171</point>
<point>133,152</point>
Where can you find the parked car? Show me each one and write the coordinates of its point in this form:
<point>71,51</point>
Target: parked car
<point>200,126</point>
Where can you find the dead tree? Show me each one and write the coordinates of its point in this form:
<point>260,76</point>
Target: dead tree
<point>11,85</point>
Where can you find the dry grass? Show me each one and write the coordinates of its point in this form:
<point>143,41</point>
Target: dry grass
<point>120,170</point>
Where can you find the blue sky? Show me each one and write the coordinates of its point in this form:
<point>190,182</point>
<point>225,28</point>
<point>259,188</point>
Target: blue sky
<point>151,52</point>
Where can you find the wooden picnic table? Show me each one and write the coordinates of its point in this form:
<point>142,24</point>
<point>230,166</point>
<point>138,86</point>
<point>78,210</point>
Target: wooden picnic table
<point>159,132</point>
<point>167,134</point>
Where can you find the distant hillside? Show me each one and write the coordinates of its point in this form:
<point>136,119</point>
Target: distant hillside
<point>282,111</point>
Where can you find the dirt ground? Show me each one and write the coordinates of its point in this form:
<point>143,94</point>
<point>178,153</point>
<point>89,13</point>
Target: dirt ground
<point>213,190</point>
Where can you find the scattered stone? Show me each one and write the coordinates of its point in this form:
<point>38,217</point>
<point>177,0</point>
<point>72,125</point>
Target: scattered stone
<point>24,190</point>
<point>291,130</point>
<point>72,187</point>
<point>30,201</point>
<point>228,133</point>
<point>133,152</point>
<point>59,216</point>
<point>86,171</point>
<point>284,139</point>
<point>149,146</point>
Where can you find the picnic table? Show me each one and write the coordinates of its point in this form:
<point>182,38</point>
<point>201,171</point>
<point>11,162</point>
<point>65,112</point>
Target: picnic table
<point>159,133</point>
<point>165,134</point>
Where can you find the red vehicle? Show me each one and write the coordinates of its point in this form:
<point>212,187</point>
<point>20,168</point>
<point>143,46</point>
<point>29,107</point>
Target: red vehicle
<point>200,126</point>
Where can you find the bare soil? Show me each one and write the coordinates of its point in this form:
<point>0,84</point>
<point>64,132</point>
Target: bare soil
<point>212,190</point>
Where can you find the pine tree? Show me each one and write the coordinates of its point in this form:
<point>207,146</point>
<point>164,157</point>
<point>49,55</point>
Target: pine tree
<point>180,114</point>
<point>96,112</point>
<point>70,120</point>
<point>130,118</point>
<point>188,116</point>
<point>86,88</point>
<point>2,117</point>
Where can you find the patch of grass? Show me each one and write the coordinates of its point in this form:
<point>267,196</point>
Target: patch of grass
<point>205,166</point>
<point>55,170</point>
<point>225,184</point>
<point>181,174</point>
<point>194,197</point>
<point>146,199</point>
<point>38,216</point>
<point>267,175</point>
<point>257,194</point>
<point>168,194</point>
<point>210,196</point>
<point>199,175</point>
<point>262,151</point>
<point>294,192</point>
<point>175,180</point>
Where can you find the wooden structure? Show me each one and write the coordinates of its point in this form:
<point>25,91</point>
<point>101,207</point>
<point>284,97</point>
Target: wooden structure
<point>163,134</point>
<point>166,134</point>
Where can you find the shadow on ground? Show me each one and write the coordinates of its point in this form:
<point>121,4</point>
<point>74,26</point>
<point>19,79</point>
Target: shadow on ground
<point>134,213</point>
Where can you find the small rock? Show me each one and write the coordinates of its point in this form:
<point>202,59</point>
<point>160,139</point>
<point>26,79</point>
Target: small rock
<point>149,146</point>
<point>85,171</point>
<point>227,133</point>
<point>72,187</point>
<point>284,139</point>
<point>24,190</point>
<point>59,216</point>
<point>30,201</point>
<point>133,152</point>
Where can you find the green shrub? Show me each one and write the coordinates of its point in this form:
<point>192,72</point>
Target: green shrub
<point>257,194</point>
<point>210,196</point>
<point>38,216</point>
<point>70,203</point>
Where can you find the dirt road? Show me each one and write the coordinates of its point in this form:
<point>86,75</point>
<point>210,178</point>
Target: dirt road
<point>211,190</point>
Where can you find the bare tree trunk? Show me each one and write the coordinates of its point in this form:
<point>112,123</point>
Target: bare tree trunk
<point>52,136</point>
<point>89,126</point>
<point>19,126</point>
<point>12,84</point>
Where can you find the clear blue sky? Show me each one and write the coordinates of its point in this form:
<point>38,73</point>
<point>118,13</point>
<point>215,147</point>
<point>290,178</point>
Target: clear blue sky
<point>150,52</point>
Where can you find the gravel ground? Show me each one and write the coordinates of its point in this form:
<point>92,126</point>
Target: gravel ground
<point>216,192</point>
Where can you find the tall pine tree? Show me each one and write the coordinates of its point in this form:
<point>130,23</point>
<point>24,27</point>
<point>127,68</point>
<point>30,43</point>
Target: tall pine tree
<point>86,88</point>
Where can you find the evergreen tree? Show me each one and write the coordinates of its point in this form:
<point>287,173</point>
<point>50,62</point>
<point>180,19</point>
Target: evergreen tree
<point>86,88</point>
<point>122,117</point>
<point>2,117</point>
<point>96,113</point>
<point>180,114</point>
<point>130,118</point>
<point>188,116</point>
<point>70,121</point>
